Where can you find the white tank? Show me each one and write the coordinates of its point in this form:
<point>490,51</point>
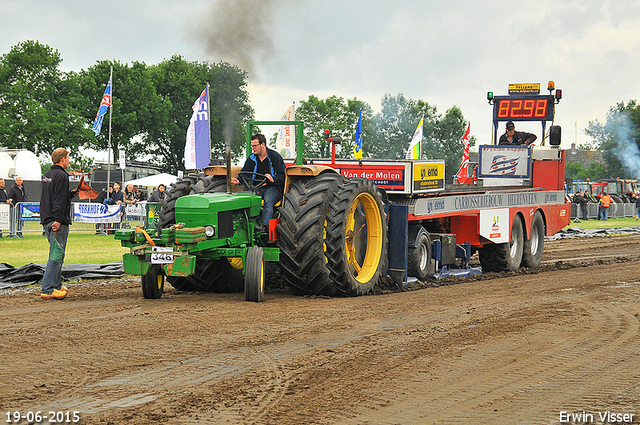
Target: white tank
<point>6,163</point>
<point>27,166</point>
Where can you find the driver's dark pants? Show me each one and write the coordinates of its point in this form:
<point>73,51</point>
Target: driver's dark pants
<point>271,195</point>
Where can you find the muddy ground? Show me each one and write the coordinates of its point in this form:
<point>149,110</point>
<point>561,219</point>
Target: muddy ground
<point>517,348</point>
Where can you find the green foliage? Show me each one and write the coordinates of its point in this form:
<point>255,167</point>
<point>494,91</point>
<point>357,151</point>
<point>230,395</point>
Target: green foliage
<point>595,171</point>
<point>618,139</point>
<point>37,101</point>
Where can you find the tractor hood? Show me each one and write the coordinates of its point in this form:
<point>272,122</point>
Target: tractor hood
<point>201,209</point>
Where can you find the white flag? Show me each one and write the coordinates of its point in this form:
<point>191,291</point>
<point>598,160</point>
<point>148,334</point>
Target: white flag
<point>286,141</point>
<point>415,146</point>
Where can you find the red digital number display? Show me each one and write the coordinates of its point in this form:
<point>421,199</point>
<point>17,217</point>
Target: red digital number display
<point>523,108</point>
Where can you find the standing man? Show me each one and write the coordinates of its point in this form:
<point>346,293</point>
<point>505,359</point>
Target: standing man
<point>605,201</point>
<point>269,163</point>
<point>17,195</point>
<point>4,199</point>
<point>55,217</point>
<point>513,137</point>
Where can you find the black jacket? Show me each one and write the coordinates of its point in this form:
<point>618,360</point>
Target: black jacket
<point>276,164</point>
<point>55,202</point>
<point>16,194</point>
<point>519,138</point>
<point>3,196</point>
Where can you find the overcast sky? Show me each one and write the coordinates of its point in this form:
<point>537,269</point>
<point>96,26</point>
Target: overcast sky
<point>444,52</point>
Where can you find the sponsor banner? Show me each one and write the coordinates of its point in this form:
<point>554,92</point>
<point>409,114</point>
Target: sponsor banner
<point>389,177</point>
<point>494,225</point>
<point>474,202</point>
<point>429,176</point>
<point>30,211</point>
<point>96,213</point>
<point>138,209</point>
<point>4,216</point>
<point>524,88</point>
<point>504,161</point>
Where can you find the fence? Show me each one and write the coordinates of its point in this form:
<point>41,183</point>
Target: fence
<point>25,218</point>
<point>616,210</point>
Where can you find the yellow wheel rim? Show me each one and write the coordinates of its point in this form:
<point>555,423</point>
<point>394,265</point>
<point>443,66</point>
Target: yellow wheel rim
<point>365,236</point>
<point>159,280</point>
<point>262,277</point>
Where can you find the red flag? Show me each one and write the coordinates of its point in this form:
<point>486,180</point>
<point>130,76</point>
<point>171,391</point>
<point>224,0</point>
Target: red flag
<point>463,175</point>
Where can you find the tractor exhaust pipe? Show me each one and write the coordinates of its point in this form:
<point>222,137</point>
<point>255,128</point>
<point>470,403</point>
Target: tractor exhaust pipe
<point>228,168</point>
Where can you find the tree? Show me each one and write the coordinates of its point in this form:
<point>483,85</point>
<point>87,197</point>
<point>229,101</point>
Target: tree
<point>618,140</point>
<point>38,103</point>
<point>338,115</point>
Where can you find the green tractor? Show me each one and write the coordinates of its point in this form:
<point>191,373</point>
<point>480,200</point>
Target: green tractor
<point>329,235</point>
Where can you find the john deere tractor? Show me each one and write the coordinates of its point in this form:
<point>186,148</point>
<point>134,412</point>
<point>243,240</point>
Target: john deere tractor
<point>329,235</point>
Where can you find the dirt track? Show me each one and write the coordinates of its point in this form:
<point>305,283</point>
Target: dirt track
<point>515,348</point>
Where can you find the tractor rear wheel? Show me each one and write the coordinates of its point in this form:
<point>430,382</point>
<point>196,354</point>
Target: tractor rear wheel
<point>254,275</point>
<point>302,218</point>
<point>356,240</point>
<point>533,247</point>
<point>504,256</point>
<point>152,283</point>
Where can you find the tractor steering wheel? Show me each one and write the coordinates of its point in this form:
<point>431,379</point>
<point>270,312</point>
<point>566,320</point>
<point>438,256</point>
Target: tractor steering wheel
<point>255,181</point>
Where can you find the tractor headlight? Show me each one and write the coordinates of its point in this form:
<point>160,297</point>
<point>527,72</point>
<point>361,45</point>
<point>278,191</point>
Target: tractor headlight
<point>210,231</point>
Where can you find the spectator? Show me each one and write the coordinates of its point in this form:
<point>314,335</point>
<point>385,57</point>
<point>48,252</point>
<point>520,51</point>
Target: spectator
<point>118,196</point>
<point>55,217</point>
<point>637,201</point>
<point>130,195</point>
<point>582,202</point>
<point>4,199</point>
<point>605,201</point>
<point>158,194</point>
<point>140,195</point>
<point>17,195</point>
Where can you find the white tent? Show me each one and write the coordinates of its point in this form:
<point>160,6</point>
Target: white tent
<point>154,180</point>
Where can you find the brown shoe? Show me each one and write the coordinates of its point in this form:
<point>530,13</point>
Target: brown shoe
<point>64,288</point>
<point>56,295</point>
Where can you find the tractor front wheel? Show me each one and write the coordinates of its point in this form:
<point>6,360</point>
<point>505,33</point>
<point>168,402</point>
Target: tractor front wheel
<point>254,275</point>
<point>152,283</point>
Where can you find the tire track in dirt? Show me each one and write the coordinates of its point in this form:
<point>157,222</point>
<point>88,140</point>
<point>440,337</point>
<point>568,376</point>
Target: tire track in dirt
<point>531,385</point>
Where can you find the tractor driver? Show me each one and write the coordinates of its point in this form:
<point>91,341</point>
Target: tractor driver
<point>513,137</point>
<point>269,163</point>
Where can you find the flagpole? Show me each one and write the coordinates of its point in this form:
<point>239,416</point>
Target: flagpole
<point>109,143</point>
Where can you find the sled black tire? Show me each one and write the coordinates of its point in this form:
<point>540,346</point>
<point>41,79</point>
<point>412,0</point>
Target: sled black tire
<point>534,246</point>
<point>254,275</point>
<point>504,256</point>
<point>419,256</point>
<point>152,283</point>
<point>180,283</point>
<point>215,276</point>
<point>357,241</point>
<point>301,229</point>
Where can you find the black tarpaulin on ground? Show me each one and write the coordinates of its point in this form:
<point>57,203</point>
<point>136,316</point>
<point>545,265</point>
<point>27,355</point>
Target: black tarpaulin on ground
<point>13,277</point>
<point>579,232</point>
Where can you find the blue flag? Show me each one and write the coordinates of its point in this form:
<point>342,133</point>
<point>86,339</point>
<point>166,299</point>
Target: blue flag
<point>104,105</point>
<point>357,150</point>
<point>197,151</point>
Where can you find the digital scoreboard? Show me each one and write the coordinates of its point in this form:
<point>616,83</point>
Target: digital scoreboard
<point>523,108</point>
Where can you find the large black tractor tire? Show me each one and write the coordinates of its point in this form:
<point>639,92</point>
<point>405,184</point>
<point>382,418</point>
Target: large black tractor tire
<point>152,283</point>
<point>419,256</point>
<point>302,218</point>
<point>533,247</point>
<point>210,276</point>
<point>254,275</point>
<point>504,256</point>
<point>193,184</point>
<point>357,241</point>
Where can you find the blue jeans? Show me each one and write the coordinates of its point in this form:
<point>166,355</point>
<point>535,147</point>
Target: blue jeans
<point>271,196</point>
<point>604,213</point>
<point>52,278</point>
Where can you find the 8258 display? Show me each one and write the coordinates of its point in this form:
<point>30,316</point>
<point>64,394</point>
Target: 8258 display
<point>530,108</point>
